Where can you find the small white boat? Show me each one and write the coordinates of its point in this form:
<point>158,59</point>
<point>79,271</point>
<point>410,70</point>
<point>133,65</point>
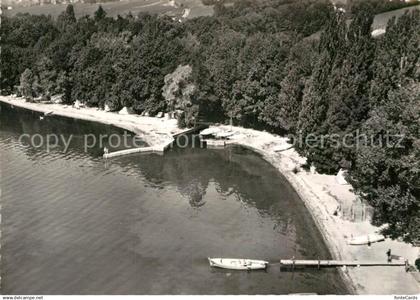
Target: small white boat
<point>303,294</point>
<point>366,239</point>
<point>238,263</point>
<point>283,147</point>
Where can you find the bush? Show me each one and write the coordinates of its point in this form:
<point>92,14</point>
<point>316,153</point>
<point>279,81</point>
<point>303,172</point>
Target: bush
<point>181,120</point>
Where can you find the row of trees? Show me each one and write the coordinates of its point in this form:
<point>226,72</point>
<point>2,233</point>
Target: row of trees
<point>122,62</point>
<point>379,6</point>
<point>366,94</point>
<point>258,63</point>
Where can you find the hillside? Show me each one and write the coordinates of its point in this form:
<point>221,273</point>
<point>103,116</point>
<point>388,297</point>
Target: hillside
<point>177,9</point>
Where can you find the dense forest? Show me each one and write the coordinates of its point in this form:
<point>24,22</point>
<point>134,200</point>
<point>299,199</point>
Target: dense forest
<point>292,67</point>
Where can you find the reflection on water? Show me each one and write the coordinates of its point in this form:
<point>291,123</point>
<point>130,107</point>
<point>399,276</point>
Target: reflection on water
<point>145,224</point>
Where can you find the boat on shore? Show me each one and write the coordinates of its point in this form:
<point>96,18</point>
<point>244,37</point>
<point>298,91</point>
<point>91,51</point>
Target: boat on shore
<point>238,263</point>
<point>366,239</point>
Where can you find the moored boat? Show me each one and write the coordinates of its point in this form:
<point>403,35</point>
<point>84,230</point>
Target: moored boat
<point>238,263</point>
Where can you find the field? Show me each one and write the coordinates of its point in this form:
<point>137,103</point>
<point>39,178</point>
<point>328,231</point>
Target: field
<point>122,8</point>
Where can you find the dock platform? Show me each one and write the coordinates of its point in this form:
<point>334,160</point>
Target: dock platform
<point>160,149</point>
<point>338,263</point>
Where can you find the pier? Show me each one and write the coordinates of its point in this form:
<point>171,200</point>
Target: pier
<point>160,149</point>
<point>339,263</point>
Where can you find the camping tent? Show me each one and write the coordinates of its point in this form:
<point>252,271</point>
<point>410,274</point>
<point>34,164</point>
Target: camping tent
<point>77,104</point>
<point>57,99</point>
<point>341,177</point>
<point>126,111</point>
<point>378,32</point>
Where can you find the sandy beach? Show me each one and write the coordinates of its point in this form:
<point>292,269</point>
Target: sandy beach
<point>154,131</point>
<point>322,194</point>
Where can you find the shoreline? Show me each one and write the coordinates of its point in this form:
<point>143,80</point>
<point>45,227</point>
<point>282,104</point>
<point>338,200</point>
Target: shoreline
<point>156,132</point>
<point>321,195</point>
<point>348,282</point>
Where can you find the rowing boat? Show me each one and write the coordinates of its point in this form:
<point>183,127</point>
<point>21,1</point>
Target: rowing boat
<point>238,263</point>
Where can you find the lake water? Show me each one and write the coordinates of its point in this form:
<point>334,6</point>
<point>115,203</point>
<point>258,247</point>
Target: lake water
<point>73,223</point>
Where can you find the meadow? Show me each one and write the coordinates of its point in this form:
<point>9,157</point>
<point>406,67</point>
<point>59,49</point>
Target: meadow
<point>113,9</point>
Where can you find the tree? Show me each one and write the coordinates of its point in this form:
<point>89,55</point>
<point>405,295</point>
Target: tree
<point>386,171</point>
<point>349,94</point>
<point>396,56</point>
<point>100,14</point>
<point>64,87</point>
<point>66,18</point>
<point>156,51</point>
<point>179,91</point>
<point>312,117</point>
<point>23,38</point>
<point>27,84</point>
<point>283,110</point>
<point>47,75</point>
<point>222,64</point>
<point>318,98</point>
<point>256,73</point>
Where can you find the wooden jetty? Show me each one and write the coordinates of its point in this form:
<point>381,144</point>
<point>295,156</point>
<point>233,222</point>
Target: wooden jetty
<point>339,263</point>
<point>160,149</point>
